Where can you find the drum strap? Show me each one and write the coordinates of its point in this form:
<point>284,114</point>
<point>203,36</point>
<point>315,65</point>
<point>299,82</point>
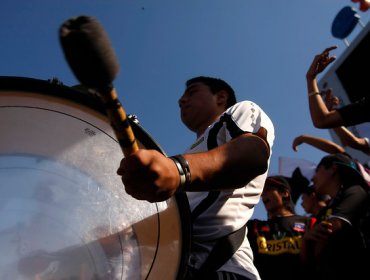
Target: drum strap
<point>223,250</point>
<point>225,246</point>
<point>204,204</point>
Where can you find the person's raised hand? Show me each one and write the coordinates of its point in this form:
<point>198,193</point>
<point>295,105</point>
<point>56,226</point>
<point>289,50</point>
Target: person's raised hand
<point>320,62</point>
<point>331,101</point>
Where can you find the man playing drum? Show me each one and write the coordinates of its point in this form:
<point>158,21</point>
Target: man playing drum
<point>222,173</point>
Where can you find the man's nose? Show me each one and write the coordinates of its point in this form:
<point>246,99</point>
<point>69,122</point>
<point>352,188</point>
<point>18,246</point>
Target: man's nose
<point>182,101</point>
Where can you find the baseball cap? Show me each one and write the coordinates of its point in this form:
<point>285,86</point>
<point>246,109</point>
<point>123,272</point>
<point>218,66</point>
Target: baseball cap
<point>347,167</point>
<point>279,182</point>
<point>294,184</point>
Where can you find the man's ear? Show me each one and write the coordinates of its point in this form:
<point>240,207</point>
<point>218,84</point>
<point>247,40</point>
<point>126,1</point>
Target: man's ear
<point>285,194</point>
<point>222,97</point>
<point>333,169</point>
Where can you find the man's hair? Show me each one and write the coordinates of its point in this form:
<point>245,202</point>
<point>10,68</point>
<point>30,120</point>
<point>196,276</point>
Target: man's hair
<point>215,86</point>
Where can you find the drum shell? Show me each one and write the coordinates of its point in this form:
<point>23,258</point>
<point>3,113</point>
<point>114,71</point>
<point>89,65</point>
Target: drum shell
<point>58,159</point>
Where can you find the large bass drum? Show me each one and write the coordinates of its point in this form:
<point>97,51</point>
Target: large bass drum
<point>64,213</point>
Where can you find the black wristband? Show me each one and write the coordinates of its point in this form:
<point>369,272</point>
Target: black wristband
<point>181,173</point>
<point>185,167</point>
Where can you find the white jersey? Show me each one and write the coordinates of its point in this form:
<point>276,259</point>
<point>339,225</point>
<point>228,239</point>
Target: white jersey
<point>231,209</point>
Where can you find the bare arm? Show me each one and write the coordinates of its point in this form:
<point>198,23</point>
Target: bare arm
<point>149,175</point>
<point>231,165</point>
<point>349,139</point>
<point>322,144</point>
<point>314,241</point>
<point>320,115</point>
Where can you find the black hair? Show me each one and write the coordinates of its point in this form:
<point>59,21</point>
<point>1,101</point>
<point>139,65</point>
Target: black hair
<point>215,85</point>
<point>346,166</point>
<point>288,202</point>
<point>308,190</point>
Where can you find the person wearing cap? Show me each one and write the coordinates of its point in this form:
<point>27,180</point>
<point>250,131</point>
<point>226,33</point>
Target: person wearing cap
<point>334,248</point>
<point>347,138</point>
<point>276,242</point>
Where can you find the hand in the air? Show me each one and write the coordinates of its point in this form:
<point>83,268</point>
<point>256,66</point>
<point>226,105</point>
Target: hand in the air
<point>320,62</point>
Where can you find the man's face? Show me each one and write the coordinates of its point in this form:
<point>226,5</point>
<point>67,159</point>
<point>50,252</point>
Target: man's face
<point>199,107</point>
<point>272,198</point>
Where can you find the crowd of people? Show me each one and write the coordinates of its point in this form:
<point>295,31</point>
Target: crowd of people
<point>335,244</point>
<point>276,241</point>
<point>224,174</point>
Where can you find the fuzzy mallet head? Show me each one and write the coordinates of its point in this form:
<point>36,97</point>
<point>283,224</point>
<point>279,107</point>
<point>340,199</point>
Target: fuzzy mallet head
<point>88,52</point>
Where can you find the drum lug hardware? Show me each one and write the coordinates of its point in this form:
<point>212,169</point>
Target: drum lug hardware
<point>133,118</point>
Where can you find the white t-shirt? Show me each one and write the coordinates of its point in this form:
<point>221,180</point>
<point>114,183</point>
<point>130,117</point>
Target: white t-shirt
<point>232,208</point>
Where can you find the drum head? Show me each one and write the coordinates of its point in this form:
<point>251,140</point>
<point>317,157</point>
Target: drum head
<point>64,211</point>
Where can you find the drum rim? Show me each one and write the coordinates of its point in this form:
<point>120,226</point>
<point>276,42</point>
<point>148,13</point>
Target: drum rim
<point>53,87</point>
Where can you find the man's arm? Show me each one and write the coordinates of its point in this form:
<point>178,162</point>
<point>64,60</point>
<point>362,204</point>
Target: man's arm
<point>229,166</point>
<point>149,175</point>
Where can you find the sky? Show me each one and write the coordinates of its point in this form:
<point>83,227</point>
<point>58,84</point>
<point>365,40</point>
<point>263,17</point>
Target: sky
<point>261,48</point>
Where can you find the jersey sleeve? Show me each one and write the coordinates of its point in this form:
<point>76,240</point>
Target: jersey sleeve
<point>249,117</point>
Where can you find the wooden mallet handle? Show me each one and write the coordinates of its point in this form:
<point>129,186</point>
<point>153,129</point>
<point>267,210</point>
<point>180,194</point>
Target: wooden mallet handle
<point>88,51</point>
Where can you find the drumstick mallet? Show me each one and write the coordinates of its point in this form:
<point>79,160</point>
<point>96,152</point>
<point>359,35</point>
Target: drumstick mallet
<point>88,52</point>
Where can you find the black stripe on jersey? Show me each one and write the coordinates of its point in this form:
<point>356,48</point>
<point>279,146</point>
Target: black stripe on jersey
<point>231,126</point>
<point>234,131</point>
